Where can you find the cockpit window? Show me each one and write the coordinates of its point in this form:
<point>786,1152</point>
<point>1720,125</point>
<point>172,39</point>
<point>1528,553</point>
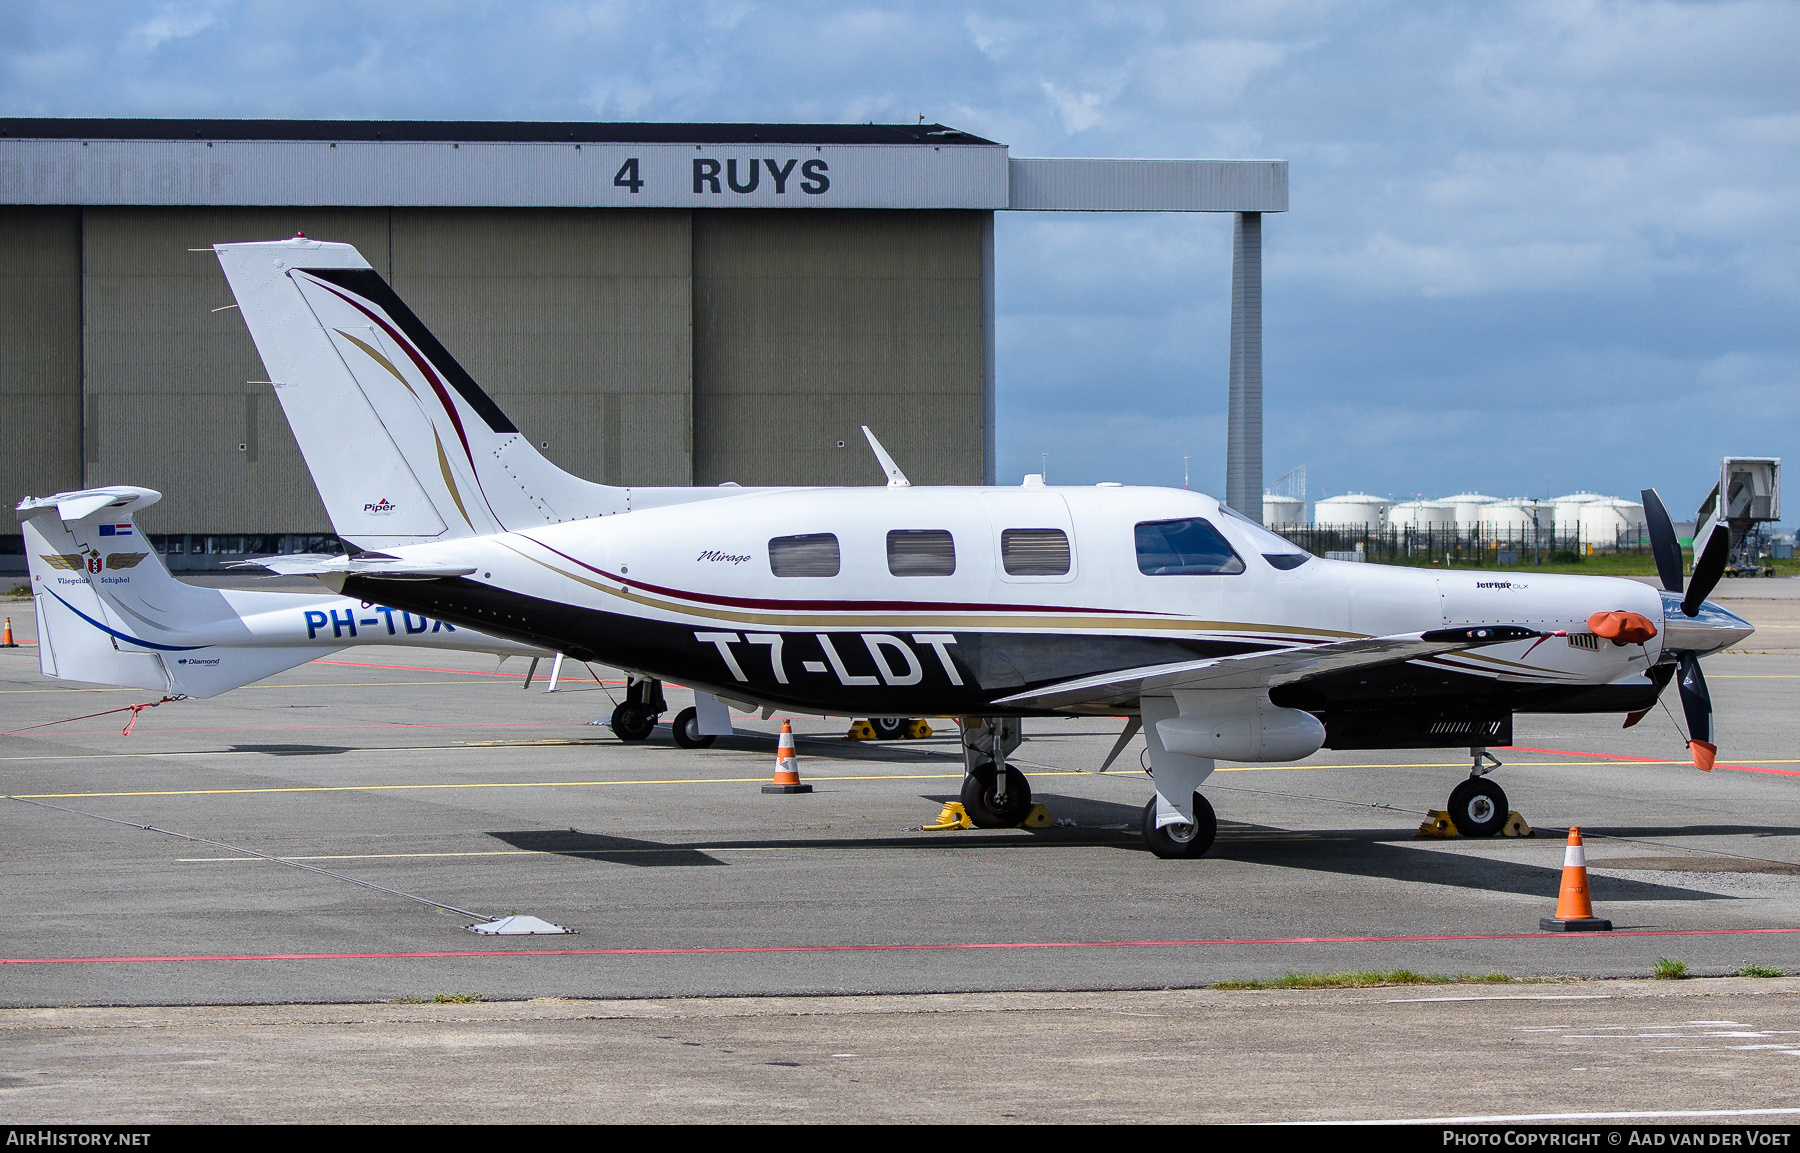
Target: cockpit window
<point>1279,551</point>
<point>1184,547</point>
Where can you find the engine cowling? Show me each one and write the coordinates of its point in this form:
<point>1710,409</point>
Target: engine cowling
<point>1240,727</point>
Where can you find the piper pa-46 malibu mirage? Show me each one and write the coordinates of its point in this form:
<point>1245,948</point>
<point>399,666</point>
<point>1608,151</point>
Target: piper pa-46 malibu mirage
<point>1216,637</point>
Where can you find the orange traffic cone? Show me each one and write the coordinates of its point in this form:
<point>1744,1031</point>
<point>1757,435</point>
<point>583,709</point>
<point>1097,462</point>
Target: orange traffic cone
<point>1574,910</point>
<point>6,641</point>
<point>787,765</point>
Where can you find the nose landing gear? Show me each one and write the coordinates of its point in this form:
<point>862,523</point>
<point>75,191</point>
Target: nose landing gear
<point>1478,806</point>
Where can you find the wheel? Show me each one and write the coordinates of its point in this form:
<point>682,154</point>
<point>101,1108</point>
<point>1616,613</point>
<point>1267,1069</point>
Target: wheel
<point>1478,807</point>
<point>1178,842</point>
<point>632,722</point>
<point>985,809</point>
<point>686,728</point>
<point>889,728</point>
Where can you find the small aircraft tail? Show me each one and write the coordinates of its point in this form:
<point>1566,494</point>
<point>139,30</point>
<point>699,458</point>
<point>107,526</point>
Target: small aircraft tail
<point>109,612</point>
<point>402,443</point>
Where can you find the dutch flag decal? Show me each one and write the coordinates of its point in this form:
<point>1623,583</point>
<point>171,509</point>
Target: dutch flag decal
<point>115,530</point>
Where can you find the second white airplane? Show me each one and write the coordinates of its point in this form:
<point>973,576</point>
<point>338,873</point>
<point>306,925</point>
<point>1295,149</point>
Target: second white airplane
<point>1219,638</point>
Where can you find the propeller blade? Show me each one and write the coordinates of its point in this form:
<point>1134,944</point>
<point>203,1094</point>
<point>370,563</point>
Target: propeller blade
<point>1709,566</point>
<point>1696,701</point>
<point>1663,545</point>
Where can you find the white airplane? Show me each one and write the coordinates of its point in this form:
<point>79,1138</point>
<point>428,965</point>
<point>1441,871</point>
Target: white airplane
<point>109,612</point>
<point>1216,637</point>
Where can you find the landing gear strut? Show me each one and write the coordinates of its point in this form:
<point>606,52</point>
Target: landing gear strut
<point>643,706</point>
<point>1478,806</point>
<point>994,794</point>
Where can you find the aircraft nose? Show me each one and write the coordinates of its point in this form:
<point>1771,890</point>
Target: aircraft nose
<point>1713,629</point>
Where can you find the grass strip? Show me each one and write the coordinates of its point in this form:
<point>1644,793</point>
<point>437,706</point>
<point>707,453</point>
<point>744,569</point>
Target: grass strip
<point>1365,979</point>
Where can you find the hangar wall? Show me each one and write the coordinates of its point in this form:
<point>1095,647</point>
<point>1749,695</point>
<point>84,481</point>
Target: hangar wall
<point>807,327</point>
<point>643,346</point>
<point>40,356</point>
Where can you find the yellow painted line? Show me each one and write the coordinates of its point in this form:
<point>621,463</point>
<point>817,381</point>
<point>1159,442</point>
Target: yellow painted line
<point>764,780</point>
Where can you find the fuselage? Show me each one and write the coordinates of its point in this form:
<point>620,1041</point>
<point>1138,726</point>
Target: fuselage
<point>942,600</point>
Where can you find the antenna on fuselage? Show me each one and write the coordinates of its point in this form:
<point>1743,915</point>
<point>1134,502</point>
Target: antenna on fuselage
<point>895,478</point>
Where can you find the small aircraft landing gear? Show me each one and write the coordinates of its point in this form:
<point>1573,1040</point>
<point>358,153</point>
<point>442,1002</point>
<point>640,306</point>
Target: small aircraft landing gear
<point>994,799</point>
<point>889,728</point>
<point>635,718</point>
<point>992,805</point>
<point>686,730</point>
<point>1180,842</point>
<point>1478,806</point>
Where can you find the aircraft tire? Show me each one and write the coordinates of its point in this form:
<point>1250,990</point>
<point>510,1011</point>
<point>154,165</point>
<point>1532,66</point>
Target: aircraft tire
<point>632,722</point>
<point>1478,807</point>
<point>979,802</point>
<point>1182,842</point>
<point>889,728</point>
<point>686,730</point>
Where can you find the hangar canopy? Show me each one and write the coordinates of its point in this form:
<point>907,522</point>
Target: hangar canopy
<point>634,296</point>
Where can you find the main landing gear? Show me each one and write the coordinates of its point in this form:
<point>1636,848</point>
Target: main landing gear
<point>635,718</point>
<point>1478,806</point>
<point>994,794</point>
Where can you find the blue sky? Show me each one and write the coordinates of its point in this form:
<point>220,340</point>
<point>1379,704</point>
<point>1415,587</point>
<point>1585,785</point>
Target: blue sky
<point>1531,245</point>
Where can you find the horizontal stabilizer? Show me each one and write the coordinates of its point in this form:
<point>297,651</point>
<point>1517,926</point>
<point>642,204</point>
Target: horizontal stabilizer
<point>368,564</point>
<point>1265,670</point>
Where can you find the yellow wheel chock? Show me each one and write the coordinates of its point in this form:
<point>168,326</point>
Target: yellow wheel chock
<point>1437,824</point>
<point>953,816</point>
<point>860,731</point>
<point>917,731</point>
<point>1038,818</point>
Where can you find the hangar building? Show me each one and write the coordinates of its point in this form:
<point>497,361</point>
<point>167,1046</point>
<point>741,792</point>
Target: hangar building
<point>652,303</point>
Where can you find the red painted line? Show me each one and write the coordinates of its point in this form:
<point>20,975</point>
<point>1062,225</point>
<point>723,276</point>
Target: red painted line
<point>883,948</point>
<point>1651,760</point>
<point>347,728</point>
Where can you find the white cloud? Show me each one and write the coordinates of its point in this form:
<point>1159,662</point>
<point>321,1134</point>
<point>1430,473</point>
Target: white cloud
<point>175,22</point>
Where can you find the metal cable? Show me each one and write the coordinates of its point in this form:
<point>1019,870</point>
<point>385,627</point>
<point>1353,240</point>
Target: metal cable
<point>254,853</point>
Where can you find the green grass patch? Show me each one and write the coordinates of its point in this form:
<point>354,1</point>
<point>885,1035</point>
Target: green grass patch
<point>456,998</point>
<point>1757,971</point>
<point>1365,979</point>
<point>1669,969</point>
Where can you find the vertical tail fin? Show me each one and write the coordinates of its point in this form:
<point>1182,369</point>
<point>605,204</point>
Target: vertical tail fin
<point>402,443</point>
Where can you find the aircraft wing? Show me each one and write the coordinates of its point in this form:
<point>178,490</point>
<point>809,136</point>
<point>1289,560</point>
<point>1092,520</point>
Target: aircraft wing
<point>1264,670</point>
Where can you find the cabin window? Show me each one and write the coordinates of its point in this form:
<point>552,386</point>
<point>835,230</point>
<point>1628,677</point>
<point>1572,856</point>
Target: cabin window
<point>813,555</point>
<point>1035,552</point>
<point>921,552</point>
<point>1184,547</point>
